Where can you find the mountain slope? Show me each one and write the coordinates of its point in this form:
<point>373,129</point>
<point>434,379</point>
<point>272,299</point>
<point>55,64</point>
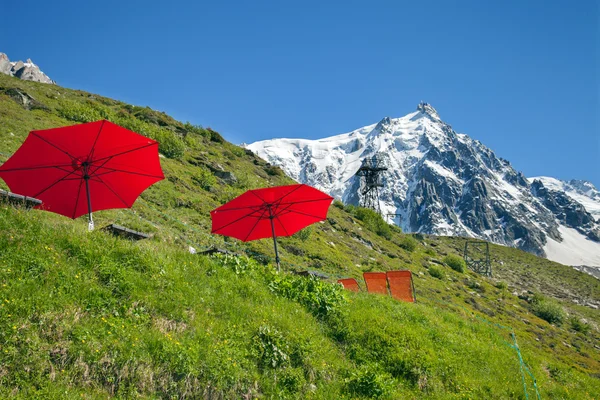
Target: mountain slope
<point>88,315</point>
<point>440,182</point>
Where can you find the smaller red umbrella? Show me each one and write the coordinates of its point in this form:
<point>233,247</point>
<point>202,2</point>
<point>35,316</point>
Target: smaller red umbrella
<point>270,212</point>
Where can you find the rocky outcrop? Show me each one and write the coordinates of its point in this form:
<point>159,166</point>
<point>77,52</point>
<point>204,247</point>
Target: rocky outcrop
<point>23,70</point>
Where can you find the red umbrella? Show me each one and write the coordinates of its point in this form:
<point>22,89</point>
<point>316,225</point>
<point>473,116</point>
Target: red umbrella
<point>82,168</point>
<point>270,212</point>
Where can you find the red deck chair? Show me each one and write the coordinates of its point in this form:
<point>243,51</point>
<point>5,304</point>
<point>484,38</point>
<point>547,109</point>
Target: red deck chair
<point>350,284</point>
<point>402,286</point>
<point>376,282</point>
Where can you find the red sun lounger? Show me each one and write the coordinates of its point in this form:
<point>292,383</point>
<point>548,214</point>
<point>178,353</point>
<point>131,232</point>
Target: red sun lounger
<point>350,284</point>
<point>376,282</point>
<point>401,285</point>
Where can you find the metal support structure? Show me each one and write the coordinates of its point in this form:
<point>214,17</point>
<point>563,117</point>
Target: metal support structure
<point>370,173</point>
<point>272,217</point>
<point>477,257</point>
<point>86,177</point>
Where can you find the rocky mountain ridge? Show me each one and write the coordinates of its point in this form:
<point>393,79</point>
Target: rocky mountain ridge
<point>23,70</point>
<point>442,182</point>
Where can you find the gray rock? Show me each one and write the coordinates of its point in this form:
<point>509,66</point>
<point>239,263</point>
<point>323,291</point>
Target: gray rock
<point>23,70</point>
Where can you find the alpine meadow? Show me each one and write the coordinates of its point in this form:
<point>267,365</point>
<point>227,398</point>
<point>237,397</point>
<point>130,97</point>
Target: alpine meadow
<point>91,315</point>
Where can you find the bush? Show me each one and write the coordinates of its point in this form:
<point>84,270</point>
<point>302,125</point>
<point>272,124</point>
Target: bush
<point>338,204</point>
<point>408,243</point>
<point>83,112</point>
<point>373,221</point>
<point>580,325</point>
<point>169,143</point>
<point>274,170</point>
<point>436,272</point>
<point>455,262</point>
<point>367,383</point>
<point>430,252</point>
<point>501,285</point>
<point>547,309</point>
<point>304,234</point>
<point>322,299</point>
<point>204,178</point>
<point>270,348</point>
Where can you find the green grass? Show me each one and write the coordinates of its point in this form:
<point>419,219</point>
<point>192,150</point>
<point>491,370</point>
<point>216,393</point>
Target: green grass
<point>87,313</point>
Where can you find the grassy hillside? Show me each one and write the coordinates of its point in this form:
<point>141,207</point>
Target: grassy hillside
<point>89,315</point>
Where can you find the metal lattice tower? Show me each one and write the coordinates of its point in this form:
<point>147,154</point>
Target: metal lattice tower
<point>477,257</point>
<point>370,173</point>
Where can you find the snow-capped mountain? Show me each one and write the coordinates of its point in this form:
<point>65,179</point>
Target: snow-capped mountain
<point>24,70</point>
<point>445,183</point>
<point>583,192</point>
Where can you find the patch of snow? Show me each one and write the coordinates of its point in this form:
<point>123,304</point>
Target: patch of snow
<point>575,249</point>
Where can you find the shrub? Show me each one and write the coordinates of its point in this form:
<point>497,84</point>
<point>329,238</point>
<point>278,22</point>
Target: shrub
<point>237,151</point>
<point>408,243</point>
<point>373,221</point>
<point>579,325</point>
<point>322,299</point>
<point>430,252</point>
<point>501,285</point>
<point>304,234</point>
<point>215,136</point>
<point>367,383</point>
<point>547,309</point>
<point>273,170</point>
<point>455,262</point>
<point>338,204</point>
<point>168,143</point>
<point>204,178</point>
<point>270,348</point>
<point>83,112</point>
<point>436,272</point>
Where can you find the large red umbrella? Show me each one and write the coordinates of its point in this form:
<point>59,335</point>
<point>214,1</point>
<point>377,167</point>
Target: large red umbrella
<point>82,168</point>
<point>270,212</point>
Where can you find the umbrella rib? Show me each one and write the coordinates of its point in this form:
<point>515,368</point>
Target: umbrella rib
<point>55,182</point>
<point>52,144</point>
<point>239,219</point>
<point>124,171</point>
<point>260,198</point>
<point>257,221</point>
<point>91,154</point>
<point>125,152</point>
<point>100,166</point>
<point>115,193</point>
<point>280,223</point>
<point>307,201</point>
<point>36,167</point>
<point>279,212</point>
<point>303,213</point>
<point>77,201</point>
<point>288,193</point>
<point>241,208</point>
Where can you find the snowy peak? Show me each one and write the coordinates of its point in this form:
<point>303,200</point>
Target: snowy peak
<point>428,110</point>
<point>441,182</point>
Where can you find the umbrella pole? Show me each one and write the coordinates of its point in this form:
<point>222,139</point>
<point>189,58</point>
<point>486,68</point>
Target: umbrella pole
<point>275,243</point>
<point>89,200</point>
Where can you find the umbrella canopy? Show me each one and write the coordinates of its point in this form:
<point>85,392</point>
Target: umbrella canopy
<point>270,212</point>
<point>82,168</point>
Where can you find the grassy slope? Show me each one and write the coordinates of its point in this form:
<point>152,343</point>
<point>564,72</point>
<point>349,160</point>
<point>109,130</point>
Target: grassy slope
<point>92,314</point>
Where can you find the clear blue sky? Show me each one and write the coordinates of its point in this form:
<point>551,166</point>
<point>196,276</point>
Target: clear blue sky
<point>520,76</point>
